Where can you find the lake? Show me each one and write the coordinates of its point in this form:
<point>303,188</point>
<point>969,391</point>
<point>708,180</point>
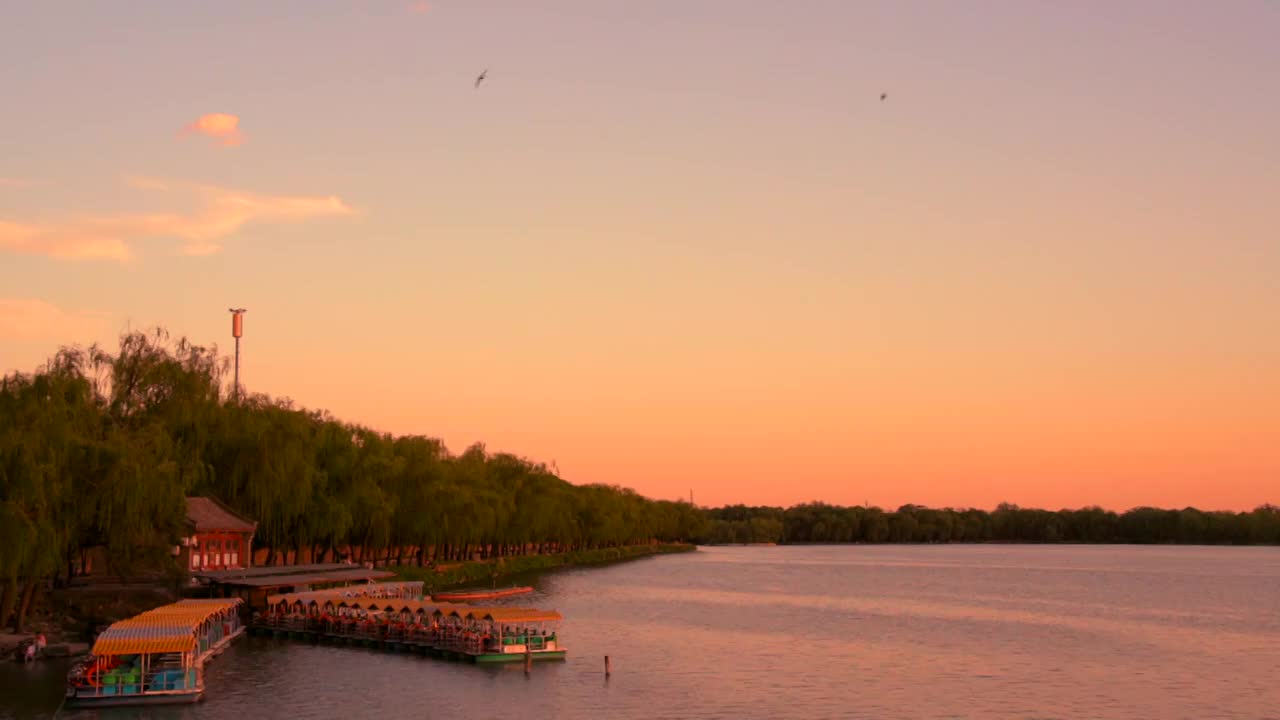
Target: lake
<point>952,631</point>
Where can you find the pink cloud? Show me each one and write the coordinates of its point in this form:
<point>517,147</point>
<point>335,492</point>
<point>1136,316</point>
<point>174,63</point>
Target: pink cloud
<point>219,126</point>
<point>32,319</point>
<point>420,8</point>
<point>197,249</point>
<point>218,213</point>
<point>12,182</point>
<point>69,241</point>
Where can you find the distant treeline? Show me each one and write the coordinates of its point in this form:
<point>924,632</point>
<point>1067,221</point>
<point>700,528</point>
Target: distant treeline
<point>821,523</point>
<point>100,448</point>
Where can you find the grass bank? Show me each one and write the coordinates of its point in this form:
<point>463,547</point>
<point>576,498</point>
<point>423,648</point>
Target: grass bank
<point>485,572</point>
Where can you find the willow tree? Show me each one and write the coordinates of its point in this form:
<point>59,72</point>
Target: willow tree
<point>72,475</point>
<point>99,447</point>
<point>419,476</point>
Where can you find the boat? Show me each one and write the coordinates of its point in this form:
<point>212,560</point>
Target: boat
<point>498,635</point>
<point>157,657</point>
<point>406,624</point>
<point>469,595</point>
<point>504,635</point>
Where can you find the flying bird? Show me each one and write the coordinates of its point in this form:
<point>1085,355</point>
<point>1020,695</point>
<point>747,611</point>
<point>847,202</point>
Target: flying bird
<point>480,77</point>
<point>883,96</point>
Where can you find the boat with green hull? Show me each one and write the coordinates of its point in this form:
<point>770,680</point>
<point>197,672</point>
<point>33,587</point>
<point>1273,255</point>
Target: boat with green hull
<point>493,658</point>
<point>503,634</point>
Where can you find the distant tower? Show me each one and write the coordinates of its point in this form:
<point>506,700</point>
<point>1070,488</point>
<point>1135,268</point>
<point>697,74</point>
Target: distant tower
<point>237,329</point>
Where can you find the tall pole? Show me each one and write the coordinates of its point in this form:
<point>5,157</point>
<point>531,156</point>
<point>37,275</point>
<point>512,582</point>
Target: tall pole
<point>237,329</point>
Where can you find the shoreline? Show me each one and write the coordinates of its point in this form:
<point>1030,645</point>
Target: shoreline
<point>483,572</point>
<point>61,649</point>
<point>474,573</point>
<point>968,543</point>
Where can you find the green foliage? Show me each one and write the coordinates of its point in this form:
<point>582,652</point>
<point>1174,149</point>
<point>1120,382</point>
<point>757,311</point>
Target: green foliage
<point>100,449</point>
<point>482,572</point>
<point>84,464</point>
<point>822,523</point>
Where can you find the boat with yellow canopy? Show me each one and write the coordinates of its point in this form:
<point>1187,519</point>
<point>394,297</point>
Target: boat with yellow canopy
<point>394,619</point>
<point>157,657</point>
<point>501,634</point>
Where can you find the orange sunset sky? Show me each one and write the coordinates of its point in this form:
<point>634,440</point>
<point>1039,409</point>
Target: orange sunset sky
<point>681,245</point>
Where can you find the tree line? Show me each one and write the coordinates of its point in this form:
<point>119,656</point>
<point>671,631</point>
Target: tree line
<point>99,449</point>
<point>821,523</point>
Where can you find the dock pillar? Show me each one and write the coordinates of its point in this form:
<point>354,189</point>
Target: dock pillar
<point>528,662</point>
<point>608,666</point>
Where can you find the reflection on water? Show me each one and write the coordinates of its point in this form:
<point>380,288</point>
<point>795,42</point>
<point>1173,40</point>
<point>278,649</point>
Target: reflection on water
<point>816,632</point>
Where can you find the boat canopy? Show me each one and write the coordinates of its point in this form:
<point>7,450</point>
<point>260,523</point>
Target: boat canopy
<point>144,640</point>
<point>166,629</point>
<point>343,598</point>
<point>501,614</point>
<point>516,615</point>
<point>457,612</point>
<point>384,605</point>
<point>396,606</point>
<point>399,606</point>
<point>387,590</point>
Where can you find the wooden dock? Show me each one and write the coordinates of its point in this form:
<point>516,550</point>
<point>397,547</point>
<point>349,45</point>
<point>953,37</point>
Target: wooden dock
<point>412,625</point>
<point>423,648</point>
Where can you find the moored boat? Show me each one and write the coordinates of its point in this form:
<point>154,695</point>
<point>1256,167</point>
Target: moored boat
<point>406,624</point>
<point>157,657</point>
<point>480,594</point>
<point>502,635</point>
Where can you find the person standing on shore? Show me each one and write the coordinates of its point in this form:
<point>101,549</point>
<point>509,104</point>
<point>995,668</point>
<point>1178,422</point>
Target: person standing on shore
<point>40,644</point>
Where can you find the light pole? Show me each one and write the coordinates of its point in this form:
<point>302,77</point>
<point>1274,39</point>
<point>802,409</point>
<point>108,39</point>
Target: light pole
<point>237,329</point>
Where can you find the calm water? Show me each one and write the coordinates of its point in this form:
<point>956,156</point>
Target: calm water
<point>815,632</point>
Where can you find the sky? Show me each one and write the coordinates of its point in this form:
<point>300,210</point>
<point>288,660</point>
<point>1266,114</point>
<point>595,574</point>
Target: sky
<point>683,245</point>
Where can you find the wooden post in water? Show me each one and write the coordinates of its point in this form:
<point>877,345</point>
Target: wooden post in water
<point>608,667</point>
<point>528,661</point>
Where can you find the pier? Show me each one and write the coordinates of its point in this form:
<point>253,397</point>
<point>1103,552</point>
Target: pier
<point>413,625</point>
<point>256,585</point>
